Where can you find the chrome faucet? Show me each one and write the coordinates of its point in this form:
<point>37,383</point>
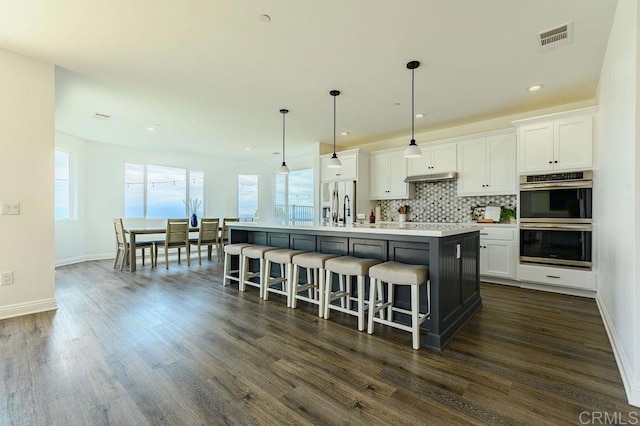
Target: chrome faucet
<point>346,207</point>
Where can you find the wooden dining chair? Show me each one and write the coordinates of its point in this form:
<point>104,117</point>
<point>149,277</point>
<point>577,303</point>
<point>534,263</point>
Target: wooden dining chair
<point>177,236</point>
<point>224,236</point>
<point>207,236</point>
<point>122,246</point>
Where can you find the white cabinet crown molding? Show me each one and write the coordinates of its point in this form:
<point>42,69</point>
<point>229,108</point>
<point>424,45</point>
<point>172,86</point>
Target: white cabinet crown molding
<point>555,116</point>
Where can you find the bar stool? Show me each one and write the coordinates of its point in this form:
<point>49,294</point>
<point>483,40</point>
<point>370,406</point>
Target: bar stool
<point>232,250</point>
<point>314,264</point>
<point>396,273</point>
<point>283,258</point>
<point>346,267</point>
<point>253,252</point>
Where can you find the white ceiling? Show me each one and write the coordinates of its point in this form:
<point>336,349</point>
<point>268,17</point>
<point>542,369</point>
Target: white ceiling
<point>214,76</point>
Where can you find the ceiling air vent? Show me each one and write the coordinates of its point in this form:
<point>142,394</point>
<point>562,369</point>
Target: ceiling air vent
<point>556,37</point>
<point>101,116</point>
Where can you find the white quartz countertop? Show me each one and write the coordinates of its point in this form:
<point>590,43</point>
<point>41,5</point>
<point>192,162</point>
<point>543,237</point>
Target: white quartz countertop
<point>393,228</point>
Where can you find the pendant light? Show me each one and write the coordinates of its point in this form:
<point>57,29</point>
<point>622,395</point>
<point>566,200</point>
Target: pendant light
<point>334,161</point>
<point>413,150</point>
<point>283,170</point>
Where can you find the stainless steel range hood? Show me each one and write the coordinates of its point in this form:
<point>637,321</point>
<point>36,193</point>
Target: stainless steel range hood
<point>435,177</point>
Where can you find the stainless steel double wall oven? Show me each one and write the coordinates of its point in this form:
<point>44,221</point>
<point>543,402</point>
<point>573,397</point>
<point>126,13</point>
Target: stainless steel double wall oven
<point>556,219</point>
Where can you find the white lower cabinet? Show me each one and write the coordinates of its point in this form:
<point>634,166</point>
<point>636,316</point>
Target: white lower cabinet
<point>561,277</point>
<point>498,252</point>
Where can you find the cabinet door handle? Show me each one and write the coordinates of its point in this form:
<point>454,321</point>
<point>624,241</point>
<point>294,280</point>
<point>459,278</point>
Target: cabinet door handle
<point>553,276</point>
<point>550,162</point>
<point>337,174</point>
<point>484,233</point>
<point>556,161</point>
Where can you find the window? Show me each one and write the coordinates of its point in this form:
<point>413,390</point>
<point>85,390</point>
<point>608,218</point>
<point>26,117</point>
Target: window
<point>294,196</point>
<point>247,197</point>
<point>159,192</point>
<point>63,191</point>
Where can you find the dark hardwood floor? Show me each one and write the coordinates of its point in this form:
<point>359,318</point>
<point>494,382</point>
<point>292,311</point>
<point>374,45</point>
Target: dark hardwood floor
<point>176,347</point>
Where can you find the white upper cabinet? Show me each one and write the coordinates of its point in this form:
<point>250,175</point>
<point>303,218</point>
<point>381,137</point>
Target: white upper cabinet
<point>487,165</point>
<point>435,159</point>
<point>388,171</point>
<point>561,142</point>
<point>348,171</point>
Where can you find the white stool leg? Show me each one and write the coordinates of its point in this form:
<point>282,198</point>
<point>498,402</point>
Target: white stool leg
<point>360,303</point>
<point>293,287</point>
<point>243,272</point>
<point>390,300</point>
<point>328,285</point>
<point>343,299</point>
<point>288,283</point>
<point>372,303</point>
<point>415,324</point>
<point>227,260</point>
<point>263,278</point>
<point>380,292</point>
<point>321,291</point>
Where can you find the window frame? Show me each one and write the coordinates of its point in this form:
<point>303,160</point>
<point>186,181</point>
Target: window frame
<point>256,214</point>
<point>145,185</point>
<point>72,185</point>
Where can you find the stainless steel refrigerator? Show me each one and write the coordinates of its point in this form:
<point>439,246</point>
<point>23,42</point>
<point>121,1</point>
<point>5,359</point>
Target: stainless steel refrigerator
<point>341,202</point>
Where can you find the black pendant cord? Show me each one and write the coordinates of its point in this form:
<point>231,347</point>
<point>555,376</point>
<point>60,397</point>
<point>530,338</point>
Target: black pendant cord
<point>413,115</point>
<point>284,112</point>
<point>334,125</point>
<point>283,156</point>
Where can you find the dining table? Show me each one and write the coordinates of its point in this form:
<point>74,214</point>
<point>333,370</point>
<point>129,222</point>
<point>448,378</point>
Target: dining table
<point>149,230</point>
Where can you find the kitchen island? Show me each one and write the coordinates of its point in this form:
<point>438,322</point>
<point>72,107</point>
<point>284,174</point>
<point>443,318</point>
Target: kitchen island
<point>451,252</point>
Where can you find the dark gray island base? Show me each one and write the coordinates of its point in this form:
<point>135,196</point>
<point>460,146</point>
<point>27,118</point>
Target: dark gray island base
<point>452,258</point>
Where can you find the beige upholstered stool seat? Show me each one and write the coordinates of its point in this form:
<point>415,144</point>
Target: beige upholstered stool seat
<point>283,258</point>
<point>350,265</point>
<point>313,262</point>
<point>347,267</point>
<point>235,249</point>
<point>232,250</point>
<point>400,273</point>
<point>254,252</point>
<point>395,273</point>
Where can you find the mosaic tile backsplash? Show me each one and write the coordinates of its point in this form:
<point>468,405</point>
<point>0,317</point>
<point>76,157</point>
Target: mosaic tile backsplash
<point>438,202</point>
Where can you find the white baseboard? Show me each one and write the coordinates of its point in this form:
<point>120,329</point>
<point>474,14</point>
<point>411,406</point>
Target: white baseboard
<point>27,308</point>
<point>631,384</point>
<point>542,287</point>
<point>86,258</point>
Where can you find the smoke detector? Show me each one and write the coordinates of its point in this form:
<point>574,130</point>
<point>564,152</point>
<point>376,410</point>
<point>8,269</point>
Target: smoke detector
<point>556,37</point>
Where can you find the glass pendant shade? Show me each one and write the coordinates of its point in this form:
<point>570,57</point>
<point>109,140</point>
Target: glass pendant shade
<point>283,170</point>
<point>334,162</point>
<point>412,151</point>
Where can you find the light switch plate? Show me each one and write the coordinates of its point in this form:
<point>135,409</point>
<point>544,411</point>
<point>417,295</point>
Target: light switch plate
<point>10,207</point>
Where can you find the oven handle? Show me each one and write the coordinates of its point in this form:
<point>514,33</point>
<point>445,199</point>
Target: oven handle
<point>556,227</point>
<point>555,185</point>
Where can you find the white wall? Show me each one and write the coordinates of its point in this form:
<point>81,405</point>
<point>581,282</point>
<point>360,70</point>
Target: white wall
<point>101,192</point>
<point>27,176</point>
<point>617,185</point>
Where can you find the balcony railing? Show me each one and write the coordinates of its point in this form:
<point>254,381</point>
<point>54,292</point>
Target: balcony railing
<point>293,212</point>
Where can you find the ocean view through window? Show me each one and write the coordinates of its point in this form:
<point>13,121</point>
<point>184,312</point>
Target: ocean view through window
<point>294,196</point>
<point>247,197</point>
<point>160,192</point>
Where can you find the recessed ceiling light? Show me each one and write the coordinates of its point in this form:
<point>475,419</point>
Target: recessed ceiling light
<point>249,148</point>
<point>276,153</point>
<point>535,88</point>
<point>265,18</point>
<point>396,104</point>
<point>419,115</point>
<point>152,127</point>
<point>344,133</point>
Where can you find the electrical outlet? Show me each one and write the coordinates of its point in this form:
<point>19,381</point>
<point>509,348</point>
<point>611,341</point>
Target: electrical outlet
<point>6,278</point>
